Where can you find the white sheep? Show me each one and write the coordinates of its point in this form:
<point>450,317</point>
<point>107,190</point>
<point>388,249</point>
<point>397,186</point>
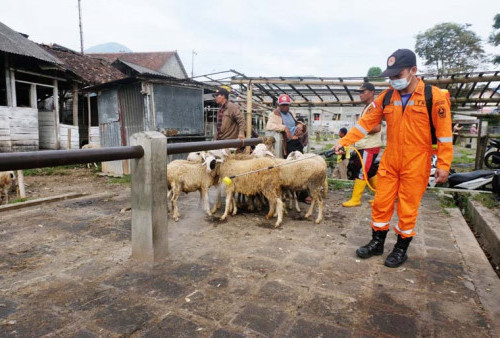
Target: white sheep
<point>186,176</point>
<point>7,178</point>
<point>308,171</point>
<point>265,182</point>
<point>91,146</point>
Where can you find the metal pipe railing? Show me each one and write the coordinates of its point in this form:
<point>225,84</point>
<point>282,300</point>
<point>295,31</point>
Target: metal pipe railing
<point>52,158</point>
<point>186,147</point>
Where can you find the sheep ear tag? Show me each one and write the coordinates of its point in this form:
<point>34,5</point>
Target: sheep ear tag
<point>227,180</point>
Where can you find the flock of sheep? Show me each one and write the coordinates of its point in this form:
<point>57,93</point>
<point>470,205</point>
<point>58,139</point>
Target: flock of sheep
<point>255,179</point>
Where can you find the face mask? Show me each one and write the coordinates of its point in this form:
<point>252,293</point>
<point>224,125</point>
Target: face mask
<point>400,84</point>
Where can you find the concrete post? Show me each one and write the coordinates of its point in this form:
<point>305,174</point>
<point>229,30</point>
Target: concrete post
<point>149,198</point>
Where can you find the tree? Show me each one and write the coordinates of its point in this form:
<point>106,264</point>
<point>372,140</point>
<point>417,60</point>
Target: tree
<point>495,37</point>
<point>450,47</point>
<point>374,72</point>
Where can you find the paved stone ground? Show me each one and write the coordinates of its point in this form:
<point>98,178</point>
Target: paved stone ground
<point>65,270</point>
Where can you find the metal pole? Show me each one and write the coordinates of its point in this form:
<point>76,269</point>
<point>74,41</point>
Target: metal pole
<point>80,21</point>
<point>50,158</point>
<point>186,147</point>
<point>249,111</point>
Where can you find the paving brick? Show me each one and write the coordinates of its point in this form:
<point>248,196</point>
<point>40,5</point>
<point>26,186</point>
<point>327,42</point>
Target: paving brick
<point>260,319</point>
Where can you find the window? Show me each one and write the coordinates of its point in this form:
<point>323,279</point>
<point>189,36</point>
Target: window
<point>23,94</point>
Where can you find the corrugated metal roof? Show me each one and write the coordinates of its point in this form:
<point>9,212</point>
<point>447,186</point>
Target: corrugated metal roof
<point>90,69</point>
<point>13,42</point>
<point>140,70</point>
<point>150,60</point>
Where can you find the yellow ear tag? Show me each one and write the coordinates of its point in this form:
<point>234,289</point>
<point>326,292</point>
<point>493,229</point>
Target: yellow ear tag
<point>227,180</point>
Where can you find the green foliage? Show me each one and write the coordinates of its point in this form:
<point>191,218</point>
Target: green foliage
<point>374,72</point>
<point>49,171</point>
<point>487,200</point>
<point>495,37</point>
<point>449,47</point>
<point>465,158</point>
<point>18,200</point>
<point>339,184</point>
<point>125,179</point>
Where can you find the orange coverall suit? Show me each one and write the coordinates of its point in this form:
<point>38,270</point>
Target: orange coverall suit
<point>405,165</point>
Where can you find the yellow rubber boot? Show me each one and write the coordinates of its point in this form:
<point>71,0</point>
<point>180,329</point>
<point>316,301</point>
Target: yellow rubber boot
<point>373,183</point>
<point>357,192</point>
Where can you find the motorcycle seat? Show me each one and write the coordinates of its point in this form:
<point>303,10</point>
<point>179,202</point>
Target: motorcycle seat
<point>465,177</point>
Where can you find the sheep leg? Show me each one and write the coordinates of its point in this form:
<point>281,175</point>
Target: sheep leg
<point>320,211</point>
<point>234,207</point>
<point>175,196</point>
<point>206,205</point>
<point>311,208</point>
<point>218,202</point>
<point>272,208</point>
<point>229,197</point>
<point>296,201</point>
<point>279,208</point>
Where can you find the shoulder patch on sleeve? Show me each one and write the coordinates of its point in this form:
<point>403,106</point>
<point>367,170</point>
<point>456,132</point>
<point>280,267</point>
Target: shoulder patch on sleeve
<point>441,111</point>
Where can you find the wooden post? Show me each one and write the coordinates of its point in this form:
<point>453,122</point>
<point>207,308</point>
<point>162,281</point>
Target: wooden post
<point>75,104</point>
<point>8,84</point>
<point>33,103</point>
<point>20,184</point>
<point>69,139</point>
<point>149,198</point>
<point>90,116</point>
<point>56,114</point>
<point>249,112</point>
<point>13,88</point>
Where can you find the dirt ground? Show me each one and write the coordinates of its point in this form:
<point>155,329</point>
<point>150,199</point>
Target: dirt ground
<point>68,180</point>
<point>66,271</point>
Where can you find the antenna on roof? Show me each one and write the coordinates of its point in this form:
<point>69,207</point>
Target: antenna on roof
<point>81,31</point>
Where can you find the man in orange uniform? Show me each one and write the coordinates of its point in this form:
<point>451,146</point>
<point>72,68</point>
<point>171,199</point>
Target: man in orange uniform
<point>405,165</point>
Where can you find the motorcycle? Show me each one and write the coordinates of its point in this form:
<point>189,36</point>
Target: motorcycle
<point>492,155</point>
<point>488,180</point>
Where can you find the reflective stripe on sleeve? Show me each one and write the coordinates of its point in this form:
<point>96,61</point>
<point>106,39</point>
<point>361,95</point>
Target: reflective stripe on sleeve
<point>361,129</point>
<point>406,232</point>
<point>397,103</point>
<point>445,139</point>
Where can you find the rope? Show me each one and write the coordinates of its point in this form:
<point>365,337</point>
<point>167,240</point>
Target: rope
<point>227,180</point>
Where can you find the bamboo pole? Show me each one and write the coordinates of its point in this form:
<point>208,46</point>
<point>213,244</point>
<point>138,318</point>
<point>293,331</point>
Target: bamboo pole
<point>249,113</point>
<point>318,82</point>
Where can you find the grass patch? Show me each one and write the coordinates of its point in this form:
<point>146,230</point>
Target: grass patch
<point>18,200</point>
<point>465,159</point>
<point>487,200</point>
<point>125,179</point>
<point>446,201</point>
<point>49,171</point>
<point>339,184</point>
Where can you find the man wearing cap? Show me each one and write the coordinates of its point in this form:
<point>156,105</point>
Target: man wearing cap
<point>405,165</point>
<point>230,120</point>
<point>368,147</point>
<point>283,121</point>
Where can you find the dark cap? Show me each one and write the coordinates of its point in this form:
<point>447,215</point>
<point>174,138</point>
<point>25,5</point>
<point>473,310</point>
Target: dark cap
<point>366,86</point>
<point>221,91</point>
<point>399,60</point>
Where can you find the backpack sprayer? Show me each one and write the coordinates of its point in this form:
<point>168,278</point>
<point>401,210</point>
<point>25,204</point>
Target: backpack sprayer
<point>228,180</point>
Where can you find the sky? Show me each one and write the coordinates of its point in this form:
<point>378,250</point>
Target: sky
<point>258,38</point>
